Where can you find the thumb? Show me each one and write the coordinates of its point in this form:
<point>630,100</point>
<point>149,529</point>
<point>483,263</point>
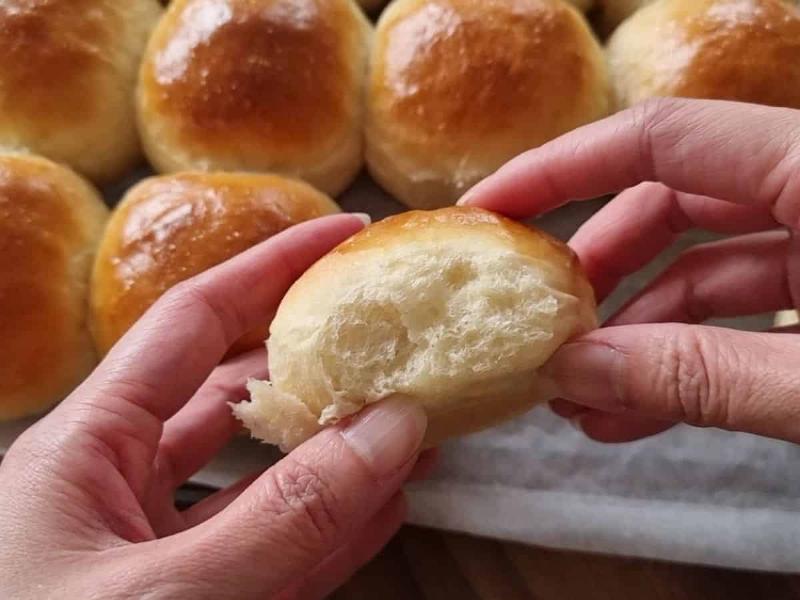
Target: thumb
<point>320,499</point>
<point>704,376</point>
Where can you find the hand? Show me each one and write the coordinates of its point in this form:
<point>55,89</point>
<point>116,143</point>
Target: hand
<point>722,166</point>
<point>86,495</point>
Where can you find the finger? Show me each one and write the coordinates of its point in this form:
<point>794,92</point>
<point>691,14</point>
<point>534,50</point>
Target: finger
<point>786,329</point>
<point>204,315</point>
<point>206,424</point>
<point>145,380</point>
<point>719,279</point>
<point>216,502</point>
<point>636,226</point>
<point>615,429</point>
<point>603,426</point>
<point>566,409</point>
<point>704,147</point>
<point>703,376</point>
<point>344,562</point>
<point>426,464</point>
<point>311,503</point>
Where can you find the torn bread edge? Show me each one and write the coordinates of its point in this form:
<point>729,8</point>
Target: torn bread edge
<point>282,419</point>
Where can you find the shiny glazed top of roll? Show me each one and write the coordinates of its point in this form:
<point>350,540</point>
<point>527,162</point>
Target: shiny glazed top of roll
<point>172,227</point>
<point>257,85</point>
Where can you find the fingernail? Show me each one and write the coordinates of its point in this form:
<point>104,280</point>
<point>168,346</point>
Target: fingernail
<point>363,217</point>
<point>386,436</point>
<point>588,373</point>
<point>466,198</point>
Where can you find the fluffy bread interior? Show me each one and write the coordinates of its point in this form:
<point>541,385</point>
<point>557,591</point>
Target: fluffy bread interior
<point>458,325</point>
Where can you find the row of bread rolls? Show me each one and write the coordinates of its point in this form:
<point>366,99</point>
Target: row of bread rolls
<point>455,88</point>
<point>439,96</point>
<point>73,281</point>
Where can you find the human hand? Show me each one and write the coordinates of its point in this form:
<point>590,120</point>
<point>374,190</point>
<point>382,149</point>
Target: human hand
<point>87,494</point>
<point>722,166</point>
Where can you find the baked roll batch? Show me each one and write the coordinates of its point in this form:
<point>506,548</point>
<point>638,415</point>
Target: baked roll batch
<point>256,113</point>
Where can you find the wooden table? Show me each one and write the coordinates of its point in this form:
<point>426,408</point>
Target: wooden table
<point>430,565</point>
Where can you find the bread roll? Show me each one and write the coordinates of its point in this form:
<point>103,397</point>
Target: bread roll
<point>257,85</point>
<point>67,79</point>
<point>455,309</point>
<point>746,50</point>
<point>458,87</point>
<point>50,222</point>
<point>172,227</point>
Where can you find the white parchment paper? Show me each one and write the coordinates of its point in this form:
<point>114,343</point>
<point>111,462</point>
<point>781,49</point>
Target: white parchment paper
<point>689,495</point>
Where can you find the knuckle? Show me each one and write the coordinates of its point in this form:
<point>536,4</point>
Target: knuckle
<point>687,377</point>
<point>653,111</point>
<point>298,492</point>
<point>648,118</point>
<point>684,273</point>
<point>226,389</point>
<point>181,294</point>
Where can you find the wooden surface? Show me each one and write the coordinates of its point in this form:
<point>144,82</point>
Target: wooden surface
<point>436,566</point>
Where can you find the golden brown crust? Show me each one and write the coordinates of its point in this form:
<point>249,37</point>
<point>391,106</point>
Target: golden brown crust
<point>525,239</point>
<point>745,50</point>
<point>50,221</point>
<point>254,84</point>
<point>67,74</point>
<point>458,87</point>
<point>45,41</point>
<point>170,228</point>
<point>441,53</point>
<point>215,82</point>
